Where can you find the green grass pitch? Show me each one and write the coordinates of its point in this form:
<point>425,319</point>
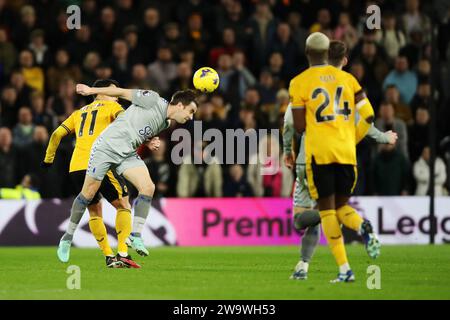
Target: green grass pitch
<point>407,272</point>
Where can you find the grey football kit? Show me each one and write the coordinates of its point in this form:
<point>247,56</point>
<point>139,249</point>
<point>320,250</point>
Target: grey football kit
<point>116,146</point>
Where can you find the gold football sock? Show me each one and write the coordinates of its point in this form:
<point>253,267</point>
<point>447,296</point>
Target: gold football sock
<point>123,229</point>
<point>333,233</point>
<point>98,229</point>
<point>349,217</point>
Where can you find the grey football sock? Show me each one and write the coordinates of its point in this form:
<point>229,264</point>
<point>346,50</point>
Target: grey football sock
<point>76,213</point>
<point>141,210</point>
<point>306,219</point>
<point>309,242</point>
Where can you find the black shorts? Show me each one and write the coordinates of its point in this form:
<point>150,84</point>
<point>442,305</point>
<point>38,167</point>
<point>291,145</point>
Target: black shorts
<point>113,186</point>
<point>327,179</point>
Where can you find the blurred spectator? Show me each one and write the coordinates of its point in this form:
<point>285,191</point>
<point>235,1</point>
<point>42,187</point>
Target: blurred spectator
<point>8,159</point>
<point>234,18</point>
<point>242,76</point>
<point>345,31</point>
<point>162,71</point>
<point>103,71</point>
<point>9,106</point>
<point>120,62</point>
<point>276,68</point>
<point>41,117</point>
<point>422,96</point>
<point>32,155</point>
<point>39,48</point>
<point>23,28</point>
<point>285,44</point>
<point>34,76</point>
<point>159,168</point>
<point>90,64</point>
<point>266,173</point>
<point>17,80</point>
<point>261,30</point>
<point>266,88</point>
<point>61,70</point>
<point>126,13</point>
<point>237,184</point>
<point>228,46</point>
<point>139,77</point>
<point>323,23</point>
<point>390,36</point>
<point>422,174</point>
<point>414,49</point>
<point>390,172</point>
<point>375,67</point>
<point>172,38</point>
<point>197,37</point>
<point>135,51</point>
<point>23,131</point>
<point>150,33</point>
<point>419,133</point>
<point>413,19</point>
<point>183,80</point>
<point>7,53</point>
<point>404,79</point>
<point>82,44</point>
<point>298,32</point>
<point>402,111</point>
<point>107,30</point>
<point>388,121</point>
<point>210,120</point>
<point>199,180</point>
<point>66,101</point>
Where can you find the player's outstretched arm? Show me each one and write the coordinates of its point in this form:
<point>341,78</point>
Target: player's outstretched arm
<point>85,90</point>
<point>53,145</point>
<point>288,135</point>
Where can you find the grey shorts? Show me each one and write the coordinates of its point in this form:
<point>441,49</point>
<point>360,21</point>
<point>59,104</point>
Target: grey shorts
<point>101,160</point>
<point>302,198</point>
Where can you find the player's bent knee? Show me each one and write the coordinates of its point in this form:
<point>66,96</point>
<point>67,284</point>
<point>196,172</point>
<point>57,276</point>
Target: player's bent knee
<point>147,189</point>
<point>122,203</point>
<point>95,210</point>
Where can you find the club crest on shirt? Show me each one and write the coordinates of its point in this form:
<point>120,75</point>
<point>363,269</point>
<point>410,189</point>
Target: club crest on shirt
<point>146,132</point>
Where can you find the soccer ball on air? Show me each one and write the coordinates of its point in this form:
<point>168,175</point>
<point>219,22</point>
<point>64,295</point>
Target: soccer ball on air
<point>206,79</point>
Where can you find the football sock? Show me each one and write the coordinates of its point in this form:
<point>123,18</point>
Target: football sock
<point>98,229</point>
<point>76,213</point>
<point>333,233</point>
<point>123,229</point>
<point>309,242</point>
<point>141,210</point>
<point>349,217</point>
<point>306,219</point>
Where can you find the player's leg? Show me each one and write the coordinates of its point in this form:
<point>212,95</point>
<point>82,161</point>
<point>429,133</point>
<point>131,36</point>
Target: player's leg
<point>134,170</point>
<point>65,243</point>
<point>321,182</point>
<point>98,230</point>
<point>345,183</point>
<point>115,191</point>
<point>305,218</point>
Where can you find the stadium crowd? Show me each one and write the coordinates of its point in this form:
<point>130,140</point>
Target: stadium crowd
<point>256,47</point>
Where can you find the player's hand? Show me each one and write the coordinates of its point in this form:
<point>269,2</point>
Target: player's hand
<point>289,160</point>
<point>153,144</point>
<point>83,89</point>
<point>392,137</point>
<point>46,165</point>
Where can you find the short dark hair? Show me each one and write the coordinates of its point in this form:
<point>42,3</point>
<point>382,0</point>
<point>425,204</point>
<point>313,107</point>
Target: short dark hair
<point>336,52</point>
<point>103,83</point>
<point>185,97</point>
